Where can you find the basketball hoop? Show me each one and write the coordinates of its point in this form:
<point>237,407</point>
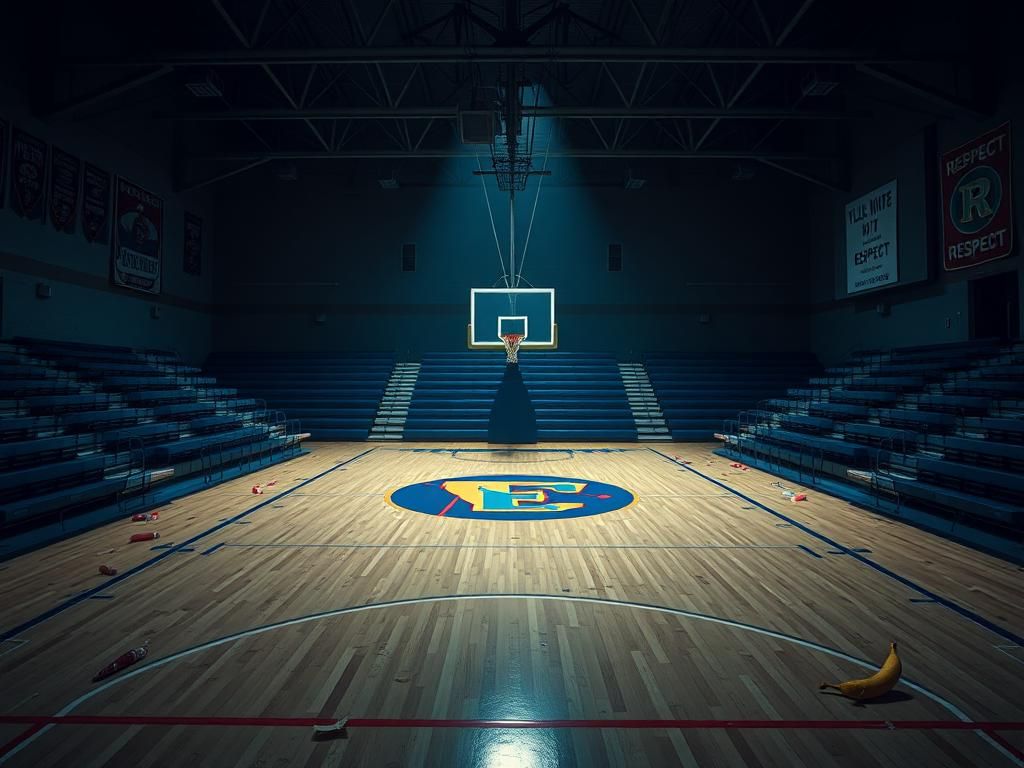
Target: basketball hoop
<point>512,342</point>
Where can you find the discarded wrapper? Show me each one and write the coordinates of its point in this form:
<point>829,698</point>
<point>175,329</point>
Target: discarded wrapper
<point>335,730</point>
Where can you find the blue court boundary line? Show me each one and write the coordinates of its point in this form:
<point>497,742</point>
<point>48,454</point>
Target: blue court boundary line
<point>72,602</point>
<point>966,613</point>
<point>272,545</point>
<point>512,450</point>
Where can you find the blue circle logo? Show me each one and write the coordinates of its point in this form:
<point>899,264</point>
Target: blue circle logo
<point>975,200</point>
<point>511,497</point>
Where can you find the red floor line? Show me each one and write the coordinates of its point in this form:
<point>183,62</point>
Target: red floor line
<point>38,721</point>
<point>28,733</point>
<point>450,505</point>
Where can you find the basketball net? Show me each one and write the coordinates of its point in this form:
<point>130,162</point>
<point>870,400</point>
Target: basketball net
<point>512,342</point>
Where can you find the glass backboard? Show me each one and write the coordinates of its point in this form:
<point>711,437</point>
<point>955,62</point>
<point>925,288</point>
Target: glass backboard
<point>526,311</point>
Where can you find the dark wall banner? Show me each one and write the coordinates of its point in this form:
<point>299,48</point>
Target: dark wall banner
<point>193,263</point>
<point>65,179</point>
<point>96,205</point>
<point>138,237</point>
<point>28,175</point>
<point>3,160</point>
<point>977,223</point>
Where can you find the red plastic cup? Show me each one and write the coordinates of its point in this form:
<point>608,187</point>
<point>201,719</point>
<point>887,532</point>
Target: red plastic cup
<point>122,661</point>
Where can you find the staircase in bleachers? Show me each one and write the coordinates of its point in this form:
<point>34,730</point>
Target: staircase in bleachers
<point>643,402</point>
<point>934,434</point>
<point>333,395</point>
<point>697,392</point>
<point>88,433</point>
<point>389,423</point>
<point>577,396</point>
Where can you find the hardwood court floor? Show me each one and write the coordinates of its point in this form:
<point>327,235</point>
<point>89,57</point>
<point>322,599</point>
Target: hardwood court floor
<point>694,604</point>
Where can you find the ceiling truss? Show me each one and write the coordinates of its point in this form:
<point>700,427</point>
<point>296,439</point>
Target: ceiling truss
<point>387,79</point>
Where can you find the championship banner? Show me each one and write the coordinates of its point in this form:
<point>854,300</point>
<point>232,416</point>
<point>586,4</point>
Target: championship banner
<point>65,178</point>
<point>28,175</point>
<point>977,220</point>
<point>871,246</point>
<point>138,237</point>
<point>193,263</point>
<point>3,160</point>
<point>96,205</point>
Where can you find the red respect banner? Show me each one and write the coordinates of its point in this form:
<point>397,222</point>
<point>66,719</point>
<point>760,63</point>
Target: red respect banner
<point>977,220</point>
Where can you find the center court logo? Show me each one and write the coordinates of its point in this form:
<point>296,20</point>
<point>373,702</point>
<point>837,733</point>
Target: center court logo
<point>511,497</point>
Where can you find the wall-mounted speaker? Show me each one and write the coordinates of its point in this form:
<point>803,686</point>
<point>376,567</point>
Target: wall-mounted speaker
<point>614,257</point>
<point>154,312</point>
<point>43,291</point>
<point>409,257</point>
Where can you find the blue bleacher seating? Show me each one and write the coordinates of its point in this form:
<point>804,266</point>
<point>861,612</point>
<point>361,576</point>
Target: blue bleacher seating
<point>863,396</point>
<point>56,404</point>
<point>962,404</point>
<point>897,383</point>
<point>102,419</point>
<point>973,451</point>
<point>1002,429</point>
<point>30,387</point>
<point>838,410</point>
<point>917,419</point>
<point>335,395</point>
<point>971,503</point>
<point>26,481</point>
<point>41,450</point>
<point>876,434</point>
<point>938,427</point>
<point>160,396</point>
<point>696,392</point>
<point>14,510</point>
<point>1002,388</point>
<point>814,424</point>
<point>86,429</point>
<point>995,482</point>
<point>824,445</point>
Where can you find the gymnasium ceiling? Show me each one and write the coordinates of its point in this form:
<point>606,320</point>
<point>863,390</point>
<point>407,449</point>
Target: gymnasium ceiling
<point>254,82</point>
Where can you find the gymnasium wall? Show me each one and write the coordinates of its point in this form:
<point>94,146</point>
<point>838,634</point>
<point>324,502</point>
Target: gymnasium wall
<point>929,305</point>
<point>694,243</point>
<point>84,305</point>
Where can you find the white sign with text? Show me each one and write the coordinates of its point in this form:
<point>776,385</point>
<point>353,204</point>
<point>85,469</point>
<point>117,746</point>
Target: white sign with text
<point>871,252</point>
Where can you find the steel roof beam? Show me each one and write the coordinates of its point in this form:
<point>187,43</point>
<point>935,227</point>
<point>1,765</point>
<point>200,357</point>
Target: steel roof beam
<point>566,112</point>
<point>505,55</point>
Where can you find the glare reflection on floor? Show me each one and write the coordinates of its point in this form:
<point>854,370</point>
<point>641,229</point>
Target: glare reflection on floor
<point>516,748</point>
